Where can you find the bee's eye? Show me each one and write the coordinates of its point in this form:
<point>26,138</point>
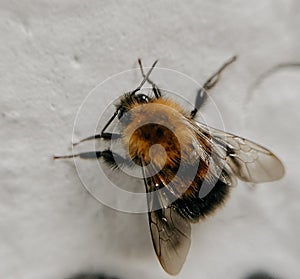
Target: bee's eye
<point>142,98</point>
<point>121,113</point>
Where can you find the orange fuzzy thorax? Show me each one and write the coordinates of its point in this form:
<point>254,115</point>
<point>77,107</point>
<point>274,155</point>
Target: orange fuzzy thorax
<point>158,131</point>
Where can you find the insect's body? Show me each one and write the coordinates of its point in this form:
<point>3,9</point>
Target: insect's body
<point>151,132</point>
<point>188,167</point>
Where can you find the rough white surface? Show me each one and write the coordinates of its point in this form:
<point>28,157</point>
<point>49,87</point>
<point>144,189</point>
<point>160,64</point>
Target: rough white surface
<point>54,52</point>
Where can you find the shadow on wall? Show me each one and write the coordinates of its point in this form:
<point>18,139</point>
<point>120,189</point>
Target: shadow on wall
<point>261,275</point>
<point>92,276</point>
<point>256,275</point>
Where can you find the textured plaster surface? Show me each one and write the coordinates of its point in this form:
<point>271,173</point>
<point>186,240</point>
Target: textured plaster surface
<point>53,53</point>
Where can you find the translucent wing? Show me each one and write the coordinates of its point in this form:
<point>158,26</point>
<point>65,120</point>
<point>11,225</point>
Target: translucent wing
<point>249,161</point>
<point>169,230</point>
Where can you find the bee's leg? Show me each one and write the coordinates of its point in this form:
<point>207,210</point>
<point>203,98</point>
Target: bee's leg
<point>210,83</point>
<point>104,136</point>
<point>114,160</point>
<point>155,89</point>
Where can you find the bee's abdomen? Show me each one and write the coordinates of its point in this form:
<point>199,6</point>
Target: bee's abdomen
<point>193,207</point>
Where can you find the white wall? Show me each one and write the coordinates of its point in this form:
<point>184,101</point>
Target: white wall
<point>53,53</point>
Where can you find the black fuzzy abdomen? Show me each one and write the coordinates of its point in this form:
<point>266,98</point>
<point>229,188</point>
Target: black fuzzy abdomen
<point>194,208</point>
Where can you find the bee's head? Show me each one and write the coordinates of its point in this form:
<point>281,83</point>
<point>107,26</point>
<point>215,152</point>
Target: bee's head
<point>127,102</point>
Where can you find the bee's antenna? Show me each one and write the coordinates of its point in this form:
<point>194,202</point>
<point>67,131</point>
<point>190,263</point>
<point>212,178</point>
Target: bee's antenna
<point>146,77</point>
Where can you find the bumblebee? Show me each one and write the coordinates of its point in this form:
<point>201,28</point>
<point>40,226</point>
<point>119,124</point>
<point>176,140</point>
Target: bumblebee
<point>188,167</point>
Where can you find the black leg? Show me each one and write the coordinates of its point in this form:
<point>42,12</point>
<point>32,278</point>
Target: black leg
<point>155,89</point>
<point>104,136</point>
<point>114,160</point>
<point>210,83</point>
